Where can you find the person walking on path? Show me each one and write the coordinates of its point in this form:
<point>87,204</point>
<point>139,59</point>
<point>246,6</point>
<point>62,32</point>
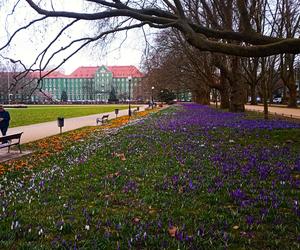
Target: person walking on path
<point>4,120</point>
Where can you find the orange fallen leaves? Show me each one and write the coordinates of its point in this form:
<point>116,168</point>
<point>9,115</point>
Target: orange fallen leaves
<point>143,113</point>
<point>51,145</point>
<point>2,169</point>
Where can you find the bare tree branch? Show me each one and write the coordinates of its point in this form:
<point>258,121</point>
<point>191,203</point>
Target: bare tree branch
<point>22,28</point>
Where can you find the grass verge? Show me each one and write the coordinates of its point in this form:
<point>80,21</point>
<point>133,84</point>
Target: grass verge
<point>39,114</point>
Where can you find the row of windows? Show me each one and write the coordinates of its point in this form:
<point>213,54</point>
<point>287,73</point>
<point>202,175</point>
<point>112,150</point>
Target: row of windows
<point>63,80</point>
<point>103,75</point>
<point>79,80</point>
<point>85,92</point>
<point>97,85</point>
<point>81,88</point>
<point>102,84</point>
<point>54,88</point>
<point>120,88</point>
<point>125,80</point>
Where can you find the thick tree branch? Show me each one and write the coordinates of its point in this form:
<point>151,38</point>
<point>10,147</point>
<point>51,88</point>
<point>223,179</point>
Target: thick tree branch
<point>291,46</point>
<point>246,43</point>
<point>244,15</point>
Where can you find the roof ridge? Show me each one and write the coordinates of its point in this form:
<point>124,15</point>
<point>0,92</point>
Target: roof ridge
<point>118,71</point>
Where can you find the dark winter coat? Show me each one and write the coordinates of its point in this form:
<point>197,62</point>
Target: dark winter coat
<point>5,115</point>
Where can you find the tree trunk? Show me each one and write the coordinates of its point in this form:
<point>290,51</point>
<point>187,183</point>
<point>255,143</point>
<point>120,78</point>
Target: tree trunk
<point>265,99</point>
<point>284,95</point>
<point>237,98</point>
<point>202,97</point>
<point>224,94</point>
<point>224,91</point>
<point>293,96</point>
<point>253,94</point>
<point>266,111</point>
<point>206,98</point>
<point>237,94</point>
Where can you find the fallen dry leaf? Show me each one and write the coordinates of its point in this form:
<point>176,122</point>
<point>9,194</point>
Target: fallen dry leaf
<point>136,220</point>
<point>172,231</point>
<point>121,156</point>
<point>116,174</point>
<point>152,211</point>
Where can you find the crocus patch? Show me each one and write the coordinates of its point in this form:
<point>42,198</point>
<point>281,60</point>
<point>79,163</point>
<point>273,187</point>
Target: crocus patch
<point>188,177</point>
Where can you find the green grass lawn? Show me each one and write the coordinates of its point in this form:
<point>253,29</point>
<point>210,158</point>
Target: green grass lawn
<point>38,113</point>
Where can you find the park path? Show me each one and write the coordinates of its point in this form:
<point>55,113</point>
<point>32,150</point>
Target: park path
<point>41,130</point>
<point>283,111</point>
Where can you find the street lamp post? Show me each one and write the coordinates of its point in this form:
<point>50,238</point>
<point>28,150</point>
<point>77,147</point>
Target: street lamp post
<point>8,94</point>
<point>152,88</point>
<point>129,88</point>
<point>8,80</point>
<point>8,83</point>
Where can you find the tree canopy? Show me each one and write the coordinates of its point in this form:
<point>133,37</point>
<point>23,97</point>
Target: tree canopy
<point>233,27</point>
<point>236,28</point>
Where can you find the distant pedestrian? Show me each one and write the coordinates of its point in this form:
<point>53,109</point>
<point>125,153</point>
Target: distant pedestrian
<point>4,120</point>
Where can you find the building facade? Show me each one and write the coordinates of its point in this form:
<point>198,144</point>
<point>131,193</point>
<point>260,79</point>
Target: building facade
<point>92,84</point>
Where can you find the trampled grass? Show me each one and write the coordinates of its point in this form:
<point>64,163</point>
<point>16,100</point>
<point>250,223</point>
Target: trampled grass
<point>38,114</point>
<point>185,178</point>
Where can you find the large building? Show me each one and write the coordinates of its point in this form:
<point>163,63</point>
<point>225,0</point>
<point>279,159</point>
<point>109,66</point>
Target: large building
<point>92,84</point>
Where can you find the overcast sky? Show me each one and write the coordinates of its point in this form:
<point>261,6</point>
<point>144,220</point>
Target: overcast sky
<point>27,44</point>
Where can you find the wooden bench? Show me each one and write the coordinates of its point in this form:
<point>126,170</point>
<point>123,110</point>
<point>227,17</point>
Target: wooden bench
<point>103,119</point>
<point>134,112</point>
<point>10,140</point>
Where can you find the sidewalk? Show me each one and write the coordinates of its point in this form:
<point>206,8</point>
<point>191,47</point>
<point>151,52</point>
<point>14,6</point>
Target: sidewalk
<point>38,131</point>
<point>276,110</point>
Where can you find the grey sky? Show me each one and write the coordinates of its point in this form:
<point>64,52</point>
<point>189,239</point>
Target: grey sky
<point>27,44</point>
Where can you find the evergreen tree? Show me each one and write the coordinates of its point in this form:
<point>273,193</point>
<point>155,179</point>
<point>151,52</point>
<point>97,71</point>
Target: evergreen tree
<point>64,96</point>
<point>112,95</point>
<point>166,95</point>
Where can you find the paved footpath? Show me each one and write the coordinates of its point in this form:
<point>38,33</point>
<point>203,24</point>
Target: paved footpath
<point>38,131</point>
<point>284,111</point>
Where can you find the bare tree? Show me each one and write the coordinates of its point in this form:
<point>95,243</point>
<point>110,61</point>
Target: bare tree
<point>240,28</point>
<point>240,39</point>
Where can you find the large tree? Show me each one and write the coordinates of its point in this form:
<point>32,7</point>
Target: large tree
<point>240,28</point>
<point>239,36</point>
